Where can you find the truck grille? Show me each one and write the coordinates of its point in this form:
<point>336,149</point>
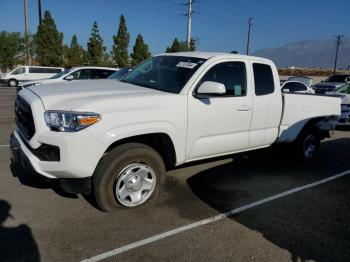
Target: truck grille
<point>24,118</point>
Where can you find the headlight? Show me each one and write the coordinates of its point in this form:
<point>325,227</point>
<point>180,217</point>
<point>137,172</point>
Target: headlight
<point>67,121</point>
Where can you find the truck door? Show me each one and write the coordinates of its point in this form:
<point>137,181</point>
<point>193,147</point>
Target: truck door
<point>267,102</point>
<point>220,124</point>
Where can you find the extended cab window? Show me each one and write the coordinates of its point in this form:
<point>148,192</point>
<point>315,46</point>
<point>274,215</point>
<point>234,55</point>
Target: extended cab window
<point>263,78</point>
<point>231,74</point>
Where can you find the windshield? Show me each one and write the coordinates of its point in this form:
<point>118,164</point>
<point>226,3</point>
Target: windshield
<point>164,73</point>
<point>60,74</point>
<point>337,78</point>
<point>345,89</point>
<point>120,73</point>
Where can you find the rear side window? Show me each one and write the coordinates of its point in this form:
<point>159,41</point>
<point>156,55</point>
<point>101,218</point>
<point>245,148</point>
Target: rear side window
<point>231,74</point>
<point>263,78</point>
<point>43,70</point>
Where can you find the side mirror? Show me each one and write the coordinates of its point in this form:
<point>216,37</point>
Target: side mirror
<point>209,89</point>
<point>69,78</point>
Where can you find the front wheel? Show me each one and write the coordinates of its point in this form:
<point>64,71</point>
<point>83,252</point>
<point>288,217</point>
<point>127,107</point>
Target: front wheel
<point>130,175</point>
<point>12,83</point>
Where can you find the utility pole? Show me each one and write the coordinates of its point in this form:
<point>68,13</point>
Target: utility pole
<point>189,14</point>
<point>189,23</point>
<point>26,30</point>
<point>339,41</point>
<point>249,27</point>
<point>39,10</point>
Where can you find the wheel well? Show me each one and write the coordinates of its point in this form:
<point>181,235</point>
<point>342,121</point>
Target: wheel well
<point>312,124</point>
<point>12,79</point>
<point>160,142</point>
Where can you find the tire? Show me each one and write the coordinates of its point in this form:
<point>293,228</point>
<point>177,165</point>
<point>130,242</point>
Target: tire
<point>130,175</point>
<point>12,83</point>
<point>307,144</point>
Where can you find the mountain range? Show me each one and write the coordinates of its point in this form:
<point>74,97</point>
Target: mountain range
<point>309,53</point>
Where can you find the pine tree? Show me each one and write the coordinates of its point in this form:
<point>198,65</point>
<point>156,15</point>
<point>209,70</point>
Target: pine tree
<point>178,46</point>
<point>95,48</point>
<point>140,51</point>
<point>74,53</point>
<point>121,43</point>
<point>175,47</point>
<point>49,42</point>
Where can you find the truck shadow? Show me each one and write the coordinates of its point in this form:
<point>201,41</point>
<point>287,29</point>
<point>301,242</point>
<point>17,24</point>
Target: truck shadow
<point>28,178</point>
<point>312,224</point>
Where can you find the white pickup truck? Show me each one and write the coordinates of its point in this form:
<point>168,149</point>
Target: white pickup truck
<point>115,139</point>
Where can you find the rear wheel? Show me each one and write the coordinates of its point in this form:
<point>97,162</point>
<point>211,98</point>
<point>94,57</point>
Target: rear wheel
<point>308,144</point>
<point>12,83</point>
<point>130,175</point>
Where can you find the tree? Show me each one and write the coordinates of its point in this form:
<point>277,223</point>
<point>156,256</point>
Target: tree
<point>49,42</point>
<point>178,46</point>
<point>95,48</point>
<point>74,53</point>
<point>11,46</point>
<point>121,44</point>
<point>140,51</point>
<point>175,47</point>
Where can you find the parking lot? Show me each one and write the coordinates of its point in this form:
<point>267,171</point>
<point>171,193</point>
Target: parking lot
<point>255,223</point>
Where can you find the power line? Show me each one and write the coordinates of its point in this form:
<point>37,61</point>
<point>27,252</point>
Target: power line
<point>249,27</point>
<point>338,42</point>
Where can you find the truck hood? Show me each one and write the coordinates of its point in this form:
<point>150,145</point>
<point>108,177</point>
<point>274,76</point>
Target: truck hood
<point>93,95</point>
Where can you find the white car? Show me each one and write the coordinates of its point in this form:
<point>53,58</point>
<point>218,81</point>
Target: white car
<point>294,86</point>
<point>75,73</point>
<point>344,93</point>
<point>115,139</point>
<point>29,73</point>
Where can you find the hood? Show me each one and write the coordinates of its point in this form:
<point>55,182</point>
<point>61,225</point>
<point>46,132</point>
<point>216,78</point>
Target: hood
<point>39,82</point>
<point>327,84</point>
<point>93,95</point>
<point>344,97</point>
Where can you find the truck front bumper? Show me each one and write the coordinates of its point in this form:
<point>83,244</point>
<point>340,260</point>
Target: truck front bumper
<point>19,153</point>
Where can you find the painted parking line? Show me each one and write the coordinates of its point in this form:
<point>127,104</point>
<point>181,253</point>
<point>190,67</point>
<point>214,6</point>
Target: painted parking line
<point>7,116</point>
<point>4,146</point>
<point>211,219</point>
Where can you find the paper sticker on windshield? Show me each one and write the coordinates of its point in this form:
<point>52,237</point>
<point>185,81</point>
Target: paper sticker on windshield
<point>188,65</point>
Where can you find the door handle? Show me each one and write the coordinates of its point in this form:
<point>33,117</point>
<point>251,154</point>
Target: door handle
<point>244,108</point>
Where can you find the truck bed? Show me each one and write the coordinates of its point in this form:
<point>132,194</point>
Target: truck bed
<point>300,108</point>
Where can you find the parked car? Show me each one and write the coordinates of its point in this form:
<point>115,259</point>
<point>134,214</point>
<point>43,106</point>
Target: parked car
<point>344,93</point>
<point>115,139</point>
<point>304,79</point>
<point>296,87</point>
<point>29,73</point>
<point>331,83</point>
<point>120,73</point>
<point>75,73</point>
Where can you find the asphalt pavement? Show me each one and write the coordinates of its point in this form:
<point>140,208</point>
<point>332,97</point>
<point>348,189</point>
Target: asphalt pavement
<point>39,222</point>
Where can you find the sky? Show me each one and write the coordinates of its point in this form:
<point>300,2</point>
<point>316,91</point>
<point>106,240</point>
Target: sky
<point>219,25</point>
